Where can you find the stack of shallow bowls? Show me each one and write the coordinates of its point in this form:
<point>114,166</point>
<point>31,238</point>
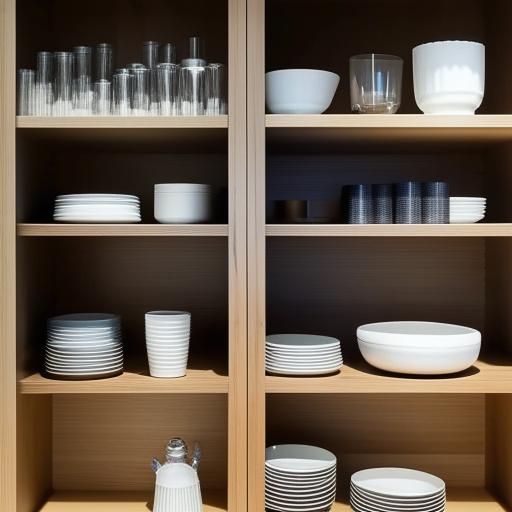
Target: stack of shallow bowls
<point>167,342</point>
<point>302,354</point>
<point>423,348</point>
<point>299,478</point>
<point>97,208</point>
<point>83,346</point>
<point>467,210</point>
<point>396,490</point>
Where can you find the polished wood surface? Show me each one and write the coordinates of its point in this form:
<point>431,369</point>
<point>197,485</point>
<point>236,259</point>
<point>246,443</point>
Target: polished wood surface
<point>8,424</point>
<point>391,230</point>
<point>484,377</point>
<point>443,435</point>
<point>106,442</point>
<point>25,229</point>
<point>123,501</point>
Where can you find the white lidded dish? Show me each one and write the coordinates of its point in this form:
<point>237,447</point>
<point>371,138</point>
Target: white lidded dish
<point>183,203</point>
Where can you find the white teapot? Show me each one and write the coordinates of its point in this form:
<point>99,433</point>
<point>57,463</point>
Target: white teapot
<point>177,487</point>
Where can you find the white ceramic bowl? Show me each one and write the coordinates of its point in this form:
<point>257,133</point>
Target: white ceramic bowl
<point>184,204</point>
<point>299,458</point>
<point>449,77</point>
<point>300,91</point>
<point>419,361</point>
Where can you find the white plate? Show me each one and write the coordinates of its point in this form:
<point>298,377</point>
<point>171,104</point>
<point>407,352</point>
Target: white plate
<point>299,458</point>
<point>398,482</point>
<point>284,475</point>
<point>99,220</point>
<point>394,506</point>
<point>300,341</point>
<point>303,503</point>
<point>83,369</point>
<point>441,495</point>
<point>303,366</point>
<point>298,372</point>
<point>303,360</point>
<point>466,221</point>
<point>297,353</point>
<point>360,506</point>
<point>83,374</point>
<point>91,197</point>
<point>299,485</point>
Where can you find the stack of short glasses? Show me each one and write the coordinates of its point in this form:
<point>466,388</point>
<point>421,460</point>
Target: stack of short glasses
<point>82,82</point>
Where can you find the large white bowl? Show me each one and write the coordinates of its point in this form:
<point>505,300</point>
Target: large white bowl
<point>419,361</point>
<point>182,205</point>
<point>300,91</point>
<point>449,77</point>
<point>419,334</point>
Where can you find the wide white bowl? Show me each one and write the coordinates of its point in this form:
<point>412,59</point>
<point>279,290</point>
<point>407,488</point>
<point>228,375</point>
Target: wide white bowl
<point>449,77</point>
<point>419,334</point>
<point>300,91</point>
<point>299,458</point>
<point>419,361</point>
<point>182,206</point>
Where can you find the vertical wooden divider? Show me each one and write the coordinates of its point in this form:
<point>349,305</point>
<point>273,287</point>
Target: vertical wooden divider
<point>256,249</point>
<point>237,422</point>
<point>8,257</point>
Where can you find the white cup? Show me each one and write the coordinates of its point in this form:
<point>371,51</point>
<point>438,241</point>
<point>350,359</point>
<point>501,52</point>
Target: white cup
<point>167,343</point>
<point>449,77</point>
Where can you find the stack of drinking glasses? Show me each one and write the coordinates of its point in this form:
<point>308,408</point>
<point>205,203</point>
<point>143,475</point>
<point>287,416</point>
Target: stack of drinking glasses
<point>408,202</point>
<point>82,82</point>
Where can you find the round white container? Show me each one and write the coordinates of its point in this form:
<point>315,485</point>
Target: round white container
<point>182,203</point>
<point>449,77</point>
<point>300,91</point>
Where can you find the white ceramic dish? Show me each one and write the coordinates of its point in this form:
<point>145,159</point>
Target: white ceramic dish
<point>182,203</point>
<point>301,504</point>
<point>301,341</point>
<point>86,373</point>
<point>419,334</point>
<point>472,220</point>
<point>419,361</point>
<point>300,91</point>
<point>305,363</point>
<point>394,506</point>
<point>449,77</point>
<point>299,485</point>
<point>398,482</point>
<point>299,458</point>
<point>360,506</point>
<point>441,495</point>
<point>283,371</point>
<point>303,366</point>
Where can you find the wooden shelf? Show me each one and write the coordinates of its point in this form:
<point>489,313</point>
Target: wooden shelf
<point>459,500</point>
<point>199,134</point>
<point>202,380</point>
<point>52,229</point>
<point>122,122</point>
<point>493,376</point>
<point>390,230</point>
<point>337,131</point>
<point>90,501</point>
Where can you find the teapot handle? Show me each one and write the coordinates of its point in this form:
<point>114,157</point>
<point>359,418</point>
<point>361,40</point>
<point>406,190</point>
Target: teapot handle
<point>155,465</point>
<point>196,457</point>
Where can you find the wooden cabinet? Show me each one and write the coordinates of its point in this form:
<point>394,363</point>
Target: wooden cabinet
<point>86,446</point>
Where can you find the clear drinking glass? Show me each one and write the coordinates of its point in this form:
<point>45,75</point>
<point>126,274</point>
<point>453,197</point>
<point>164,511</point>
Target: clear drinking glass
<point>26,92</point>
<point>150,58</point>
<point>44,84</point>
<point>102,98</point>
<point>122,92</point>
<point>216,90</point>
<point>168,53</point>
<point>82,90</point>
<point>63,66</point>
<point>376,83</point>
<point>103,58</point>
<point>140,91</point>
<point>167,81</point>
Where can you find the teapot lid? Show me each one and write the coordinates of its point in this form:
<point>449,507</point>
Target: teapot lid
<point>176,450</point>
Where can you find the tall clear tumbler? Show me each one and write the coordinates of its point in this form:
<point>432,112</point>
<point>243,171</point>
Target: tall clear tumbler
<point>140,91</point>
<point>63,91</point>
<point>167,81</point>
<point>150,57</point>
<point>25,99</point>
<point>44,84</point>
<point>102,98</point>
<point>215,90</point>
<point>168,53</point>
<point>82,90</point>
<point>376,83</point>
<point>103,61</point>
<point>122,92</point>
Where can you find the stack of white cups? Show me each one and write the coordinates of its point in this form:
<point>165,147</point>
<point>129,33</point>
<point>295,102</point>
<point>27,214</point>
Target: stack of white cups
<point>167,342</point>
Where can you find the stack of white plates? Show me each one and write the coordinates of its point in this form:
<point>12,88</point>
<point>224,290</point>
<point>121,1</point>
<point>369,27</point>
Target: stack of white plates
<point>396,489</point>
<point>467,210</point>
<point>83,346</point>
<point>92,208</point>
<point>302,354</point>
<point>299,478</point>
